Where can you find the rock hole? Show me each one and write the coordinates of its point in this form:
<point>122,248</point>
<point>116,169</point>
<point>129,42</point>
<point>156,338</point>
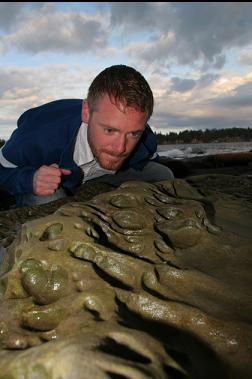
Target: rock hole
<point>110,346</point>
<point>174,373</point>
<point>116,376</point>
<point>181,359</point>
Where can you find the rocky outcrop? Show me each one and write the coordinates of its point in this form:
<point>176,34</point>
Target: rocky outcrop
<point>138,282</point>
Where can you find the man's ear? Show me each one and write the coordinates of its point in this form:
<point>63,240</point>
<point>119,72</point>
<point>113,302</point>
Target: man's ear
<point>85,112</point>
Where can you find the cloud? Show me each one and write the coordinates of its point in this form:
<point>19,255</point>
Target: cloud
<point>49,30</point>
<point>183,122</point>
<point>134,15</point>
<point>182,85</point>
<point>157,50</point>
<point>169,121</point>
<point>172,32</point>
<point>9,14</point>
<point>186,33</point>
<point>210,101</point>
<point>185,85</point>
<point>190,53</point>
<point>25,88</point>
<point>9,79</point>
<point>12,13</point>
<point>241,97</point>
<point>206,80</point>
<point>246,57</point>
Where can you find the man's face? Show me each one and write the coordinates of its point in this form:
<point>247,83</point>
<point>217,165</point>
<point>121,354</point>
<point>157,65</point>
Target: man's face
<point>113,131</point>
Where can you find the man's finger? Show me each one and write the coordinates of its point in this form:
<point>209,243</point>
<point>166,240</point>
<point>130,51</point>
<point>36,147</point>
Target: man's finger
<point>65,171</point>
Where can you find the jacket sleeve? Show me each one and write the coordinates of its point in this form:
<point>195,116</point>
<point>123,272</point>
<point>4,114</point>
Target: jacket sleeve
<point>17,180</point>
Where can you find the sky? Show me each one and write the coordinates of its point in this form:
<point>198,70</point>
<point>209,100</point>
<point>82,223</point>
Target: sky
<point>196,56</point>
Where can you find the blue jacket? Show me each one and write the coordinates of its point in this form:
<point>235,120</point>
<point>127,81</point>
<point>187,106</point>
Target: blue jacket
<point>46,135</point>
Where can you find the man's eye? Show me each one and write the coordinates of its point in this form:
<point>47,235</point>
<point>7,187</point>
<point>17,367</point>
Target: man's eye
<point>136,134</point>
<point>108,130</point>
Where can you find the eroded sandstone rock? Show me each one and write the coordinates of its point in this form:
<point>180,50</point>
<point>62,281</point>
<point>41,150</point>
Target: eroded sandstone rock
<point>135,283</point>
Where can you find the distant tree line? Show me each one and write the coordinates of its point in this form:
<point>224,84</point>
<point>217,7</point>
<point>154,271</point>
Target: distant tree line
<point>208,135</point>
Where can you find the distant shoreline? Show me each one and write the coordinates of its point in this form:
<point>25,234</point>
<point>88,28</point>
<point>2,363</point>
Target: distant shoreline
<point>200,142</point>
<point>231,135</point>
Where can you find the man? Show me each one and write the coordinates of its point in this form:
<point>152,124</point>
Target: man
<point>62,144</point>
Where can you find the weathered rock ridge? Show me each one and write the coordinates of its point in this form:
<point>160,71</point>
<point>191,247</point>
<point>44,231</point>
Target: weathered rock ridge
<point>145,281</point>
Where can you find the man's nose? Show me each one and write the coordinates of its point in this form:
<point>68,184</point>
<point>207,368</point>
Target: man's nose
<point>119,146</point>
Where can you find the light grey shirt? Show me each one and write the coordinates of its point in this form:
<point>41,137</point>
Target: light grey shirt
<point>84,157</point>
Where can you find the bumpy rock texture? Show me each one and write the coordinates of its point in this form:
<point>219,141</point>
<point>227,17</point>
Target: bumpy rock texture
<point>139,282</point>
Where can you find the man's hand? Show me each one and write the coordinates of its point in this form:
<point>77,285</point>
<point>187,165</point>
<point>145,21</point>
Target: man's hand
<point>47,179</point>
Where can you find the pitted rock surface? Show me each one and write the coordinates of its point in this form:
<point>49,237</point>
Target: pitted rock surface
<point>139,282</point>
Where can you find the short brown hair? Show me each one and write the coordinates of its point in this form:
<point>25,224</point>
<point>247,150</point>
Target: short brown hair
<point>124,85</point>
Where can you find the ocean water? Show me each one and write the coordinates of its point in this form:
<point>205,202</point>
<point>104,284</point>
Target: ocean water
<point>182,151</point>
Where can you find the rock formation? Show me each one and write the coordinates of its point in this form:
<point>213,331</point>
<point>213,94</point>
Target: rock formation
<point>139,282</point>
